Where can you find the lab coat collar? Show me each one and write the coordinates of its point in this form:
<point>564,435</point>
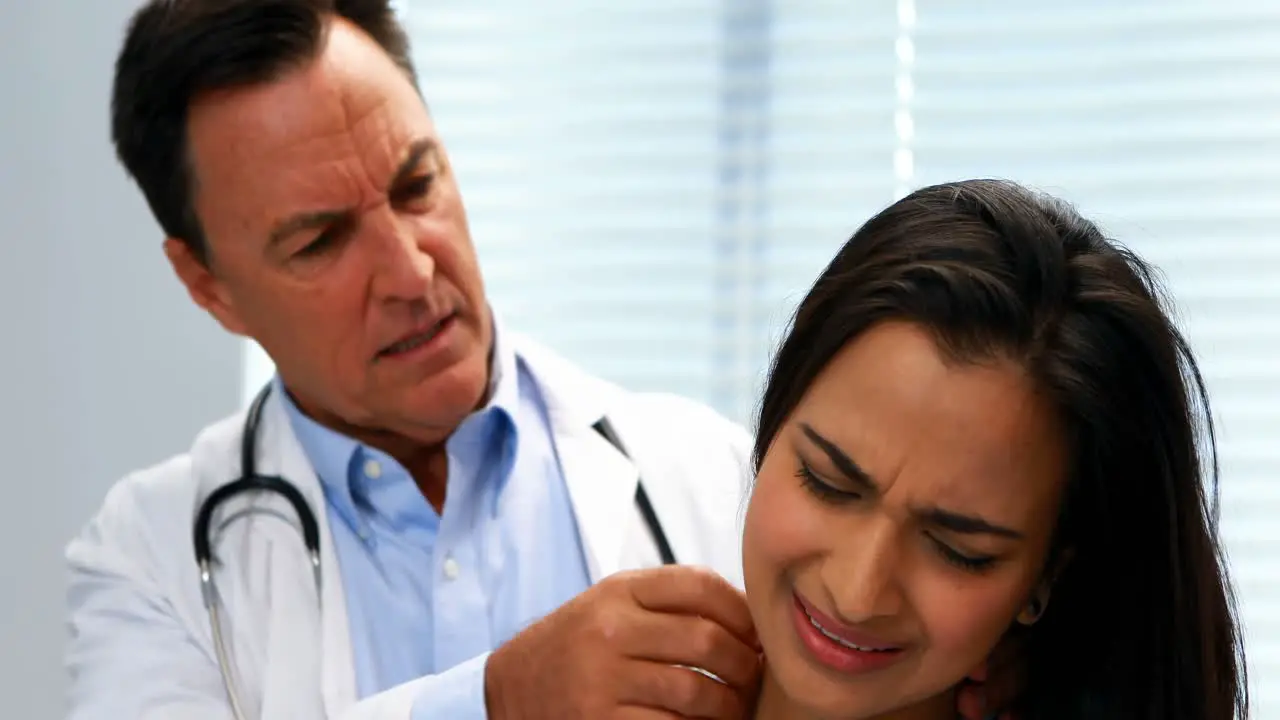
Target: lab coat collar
<point>601,480</point>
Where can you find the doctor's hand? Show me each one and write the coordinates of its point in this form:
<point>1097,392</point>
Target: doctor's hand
<point>612,653</point>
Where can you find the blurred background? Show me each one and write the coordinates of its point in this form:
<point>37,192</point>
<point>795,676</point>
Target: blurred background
<point>652,185</point>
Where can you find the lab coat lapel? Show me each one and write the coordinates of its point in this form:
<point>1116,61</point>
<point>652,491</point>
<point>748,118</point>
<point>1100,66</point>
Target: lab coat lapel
<point>337,666</point>
<point>601,484</point>
<point>601,481</point>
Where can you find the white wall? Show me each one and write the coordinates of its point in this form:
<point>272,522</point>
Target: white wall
<point>105,366</point>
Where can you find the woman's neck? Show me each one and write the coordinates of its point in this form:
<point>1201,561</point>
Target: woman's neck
<point>774,704</point>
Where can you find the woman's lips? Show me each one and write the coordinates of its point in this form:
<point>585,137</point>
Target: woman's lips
<point>840,632</point>
<point>839,646</point>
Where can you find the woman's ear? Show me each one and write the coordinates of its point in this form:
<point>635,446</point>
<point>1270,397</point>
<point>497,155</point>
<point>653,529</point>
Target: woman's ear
<point>1035,607</point>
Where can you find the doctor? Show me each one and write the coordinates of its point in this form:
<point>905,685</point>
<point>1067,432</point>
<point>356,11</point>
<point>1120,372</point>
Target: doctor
<point>460,489</point>
<point>482,552</point>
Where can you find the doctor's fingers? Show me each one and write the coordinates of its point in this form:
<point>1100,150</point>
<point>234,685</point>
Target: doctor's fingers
<point>688,590</point>
<point>657,690</point>
<point>691,641</point>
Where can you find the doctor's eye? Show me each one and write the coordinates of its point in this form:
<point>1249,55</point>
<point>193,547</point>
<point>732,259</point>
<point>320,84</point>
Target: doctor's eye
<point>324,241</point>
<point>414,191</point>
<point>325,245</point>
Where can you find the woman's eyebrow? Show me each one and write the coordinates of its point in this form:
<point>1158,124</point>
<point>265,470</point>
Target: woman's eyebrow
<point>966,524</point>
<point>845,464</point>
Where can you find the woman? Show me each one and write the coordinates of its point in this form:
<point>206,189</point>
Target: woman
<point>983,433</point>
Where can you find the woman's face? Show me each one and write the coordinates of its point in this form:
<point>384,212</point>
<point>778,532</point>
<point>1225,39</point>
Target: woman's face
<point>899,524</point>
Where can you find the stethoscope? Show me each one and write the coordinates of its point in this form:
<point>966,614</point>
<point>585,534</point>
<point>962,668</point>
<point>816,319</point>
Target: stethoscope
<point>251,481</point>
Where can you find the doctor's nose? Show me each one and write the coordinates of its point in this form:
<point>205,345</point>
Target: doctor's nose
<point>863,577</point>
<point>402,268</point>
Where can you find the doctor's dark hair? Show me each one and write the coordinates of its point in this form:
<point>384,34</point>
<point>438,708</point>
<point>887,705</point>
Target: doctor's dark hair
<point>177,50</point>
<point>1142,624</point>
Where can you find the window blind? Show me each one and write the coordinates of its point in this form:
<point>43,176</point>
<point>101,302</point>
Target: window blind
<point>652,185</point>
<point>585,143</point>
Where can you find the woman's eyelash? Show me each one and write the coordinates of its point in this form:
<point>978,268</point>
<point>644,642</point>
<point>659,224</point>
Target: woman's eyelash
<point>960,560</point>
<point>818,487</point>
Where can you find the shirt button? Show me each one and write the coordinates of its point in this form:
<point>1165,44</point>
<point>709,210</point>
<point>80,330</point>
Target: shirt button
<point>372,469</point>
<point>451,569</point>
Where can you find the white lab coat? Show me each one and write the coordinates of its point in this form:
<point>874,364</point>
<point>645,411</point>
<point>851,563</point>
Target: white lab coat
<point>141,647</point>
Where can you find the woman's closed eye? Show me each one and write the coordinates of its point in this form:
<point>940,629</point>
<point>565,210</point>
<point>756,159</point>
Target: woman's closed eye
<point>822,489</point>
<point>829,492</point>
<point>965,561</point>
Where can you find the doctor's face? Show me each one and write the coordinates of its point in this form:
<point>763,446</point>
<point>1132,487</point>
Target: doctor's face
<point>338,240</point>
<point>898,527</point>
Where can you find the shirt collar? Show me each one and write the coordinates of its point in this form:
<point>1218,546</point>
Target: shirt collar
<point>504,380</point>
<point>334,455</point>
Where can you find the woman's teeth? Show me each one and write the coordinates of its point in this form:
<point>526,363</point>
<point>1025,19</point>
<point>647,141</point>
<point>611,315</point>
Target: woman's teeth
<point>841,641</point>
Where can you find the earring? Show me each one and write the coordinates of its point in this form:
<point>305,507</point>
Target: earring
<point>1029,615</point>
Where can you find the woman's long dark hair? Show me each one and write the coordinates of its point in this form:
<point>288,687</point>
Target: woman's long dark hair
<point>1142,623</point>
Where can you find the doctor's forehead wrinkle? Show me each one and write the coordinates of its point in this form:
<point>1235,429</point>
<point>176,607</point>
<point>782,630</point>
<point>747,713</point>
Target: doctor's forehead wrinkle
<point>384,142</point>
<point>387,118</point>
<point>420,151</point>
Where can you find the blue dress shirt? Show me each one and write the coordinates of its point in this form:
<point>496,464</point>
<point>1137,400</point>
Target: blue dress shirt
<point>430,591</point>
